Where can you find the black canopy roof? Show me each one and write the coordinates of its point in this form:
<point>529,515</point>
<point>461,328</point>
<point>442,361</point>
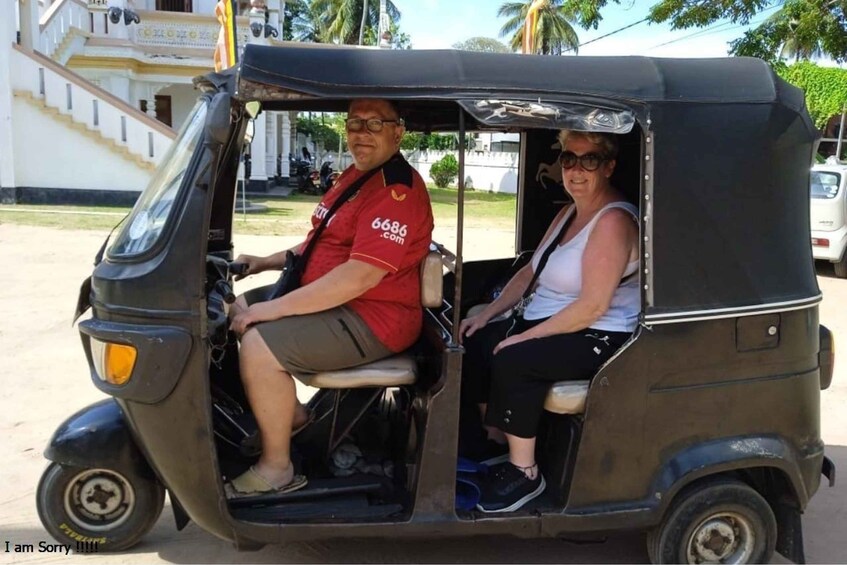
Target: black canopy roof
<point>344,73</point>
<point>726,147</point>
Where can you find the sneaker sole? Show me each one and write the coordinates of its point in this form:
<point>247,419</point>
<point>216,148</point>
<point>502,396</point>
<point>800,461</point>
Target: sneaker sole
<point>517,505</point>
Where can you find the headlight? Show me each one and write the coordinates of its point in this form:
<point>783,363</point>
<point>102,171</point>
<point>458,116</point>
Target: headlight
<point>113,362</point>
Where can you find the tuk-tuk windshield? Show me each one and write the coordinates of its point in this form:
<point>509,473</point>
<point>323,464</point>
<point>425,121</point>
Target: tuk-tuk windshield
<point>148,218</point>
<point>825,184</point>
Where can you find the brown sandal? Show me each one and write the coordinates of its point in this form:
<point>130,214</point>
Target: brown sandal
<point>251,483</point>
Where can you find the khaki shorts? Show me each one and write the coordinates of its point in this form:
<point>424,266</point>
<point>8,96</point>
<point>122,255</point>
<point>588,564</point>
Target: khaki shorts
<point>313,343</point>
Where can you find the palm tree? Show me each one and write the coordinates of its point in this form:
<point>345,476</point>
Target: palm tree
<point>554,34</point>
<point>342,19</point>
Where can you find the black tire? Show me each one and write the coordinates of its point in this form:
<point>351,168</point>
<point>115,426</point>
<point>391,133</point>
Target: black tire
<point>722,521</point>
<point>841,267</point>
<point>114,509</point>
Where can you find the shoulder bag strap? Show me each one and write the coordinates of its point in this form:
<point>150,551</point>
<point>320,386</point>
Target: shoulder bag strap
<point>345,196</point>
<point>546,255</point>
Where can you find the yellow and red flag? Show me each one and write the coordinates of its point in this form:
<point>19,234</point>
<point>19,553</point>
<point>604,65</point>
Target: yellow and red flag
<point>226,51</point>
<point>530,26</point>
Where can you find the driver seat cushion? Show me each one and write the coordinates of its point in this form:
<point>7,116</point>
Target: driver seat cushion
<point>397,370</point>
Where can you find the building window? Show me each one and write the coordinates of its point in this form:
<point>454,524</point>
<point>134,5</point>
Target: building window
<point>174,5</point>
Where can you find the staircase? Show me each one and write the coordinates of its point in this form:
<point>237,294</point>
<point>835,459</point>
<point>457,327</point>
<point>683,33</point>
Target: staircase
<point>90,110</point>
<point>64,24</point>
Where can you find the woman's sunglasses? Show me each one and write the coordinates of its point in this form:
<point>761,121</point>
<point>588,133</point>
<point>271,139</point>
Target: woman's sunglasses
<point>589,161</point>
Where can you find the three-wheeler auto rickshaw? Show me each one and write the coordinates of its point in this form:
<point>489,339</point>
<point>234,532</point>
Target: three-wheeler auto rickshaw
<point>703,431</point>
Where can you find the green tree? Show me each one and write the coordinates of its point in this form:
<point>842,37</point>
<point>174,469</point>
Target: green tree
<point>399,40</point>
<point>445,171</point>
<point>320,131</point>
<point>825,88</point>
<point>340,20</point>
<point>554,33</point>
<point>800,30</point>
<point>482,44</point>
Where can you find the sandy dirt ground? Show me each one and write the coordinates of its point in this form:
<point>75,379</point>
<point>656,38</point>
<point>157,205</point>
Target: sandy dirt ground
<point>45,378</point>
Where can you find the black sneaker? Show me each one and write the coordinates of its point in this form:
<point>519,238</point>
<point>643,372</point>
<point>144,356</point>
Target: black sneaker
<point>507,489</point>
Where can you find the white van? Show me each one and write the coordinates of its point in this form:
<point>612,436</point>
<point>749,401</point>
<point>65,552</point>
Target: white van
<point>829,215</point>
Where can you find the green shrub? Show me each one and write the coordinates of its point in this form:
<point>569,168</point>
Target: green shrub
<point>445,171</point>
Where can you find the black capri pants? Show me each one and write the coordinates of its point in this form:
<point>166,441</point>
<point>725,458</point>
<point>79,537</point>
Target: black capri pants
<point>515,382</point>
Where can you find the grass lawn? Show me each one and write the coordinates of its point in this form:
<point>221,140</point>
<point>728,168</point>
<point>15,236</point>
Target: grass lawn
<point>285,216</point>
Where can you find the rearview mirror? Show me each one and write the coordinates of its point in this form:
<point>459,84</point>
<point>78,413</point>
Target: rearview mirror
<point>253,108</point>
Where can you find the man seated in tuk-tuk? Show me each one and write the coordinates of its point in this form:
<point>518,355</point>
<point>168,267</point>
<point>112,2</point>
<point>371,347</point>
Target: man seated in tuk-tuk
<point>359,299</point>
<point>583,310</point>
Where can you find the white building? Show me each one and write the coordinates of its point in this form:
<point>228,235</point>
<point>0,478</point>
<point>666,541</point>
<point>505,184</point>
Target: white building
<point>89,88</point>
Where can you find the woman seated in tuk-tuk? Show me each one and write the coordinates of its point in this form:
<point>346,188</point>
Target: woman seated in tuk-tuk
<point>584,308</point>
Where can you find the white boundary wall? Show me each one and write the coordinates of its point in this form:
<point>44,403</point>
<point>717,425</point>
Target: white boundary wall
<point>492,172</point>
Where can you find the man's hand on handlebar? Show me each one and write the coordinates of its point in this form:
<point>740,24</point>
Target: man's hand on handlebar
<point>248,265</point>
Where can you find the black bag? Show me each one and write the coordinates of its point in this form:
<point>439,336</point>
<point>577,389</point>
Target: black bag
<point>295,265</point>
<point>289,280</point>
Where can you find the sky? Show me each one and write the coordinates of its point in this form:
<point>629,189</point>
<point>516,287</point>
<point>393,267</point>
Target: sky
<point>438,24</point>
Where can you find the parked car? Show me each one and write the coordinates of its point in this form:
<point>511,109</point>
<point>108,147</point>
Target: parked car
<point>828,213</point>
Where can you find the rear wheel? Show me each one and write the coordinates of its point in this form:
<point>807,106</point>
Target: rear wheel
<point>113,509</point>
<point>724,521</point>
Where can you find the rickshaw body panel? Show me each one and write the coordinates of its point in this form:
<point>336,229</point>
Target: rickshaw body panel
<point>690,396</point>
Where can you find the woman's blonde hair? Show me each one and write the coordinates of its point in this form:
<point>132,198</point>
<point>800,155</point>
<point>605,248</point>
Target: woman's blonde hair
<point>607,142</point>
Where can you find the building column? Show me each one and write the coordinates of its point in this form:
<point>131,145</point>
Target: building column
<point>271,143</point>
<point>30,31</point>
<point>8,35</point>
<point>99,17</point>
<point>118,30</point>
<point>258,148</point>
<point>275,7</point>
<point>286,146</point>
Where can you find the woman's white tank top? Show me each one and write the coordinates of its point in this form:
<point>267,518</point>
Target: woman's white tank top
<point>560,282</point>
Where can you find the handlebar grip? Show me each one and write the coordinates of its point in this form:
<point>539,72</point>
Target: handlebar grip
<point>225,290</point>
<point>238,268</point>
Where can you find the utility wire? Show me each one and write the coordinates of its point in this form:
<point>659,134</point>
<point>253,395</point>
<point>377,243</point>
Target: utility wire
<point>608,34</point>
<point>715,28</point>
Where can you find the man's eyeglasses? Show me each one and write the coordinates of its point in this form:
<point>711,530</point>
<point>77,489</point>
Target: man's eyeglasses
<point>589,161</point>
<point>374,125</point>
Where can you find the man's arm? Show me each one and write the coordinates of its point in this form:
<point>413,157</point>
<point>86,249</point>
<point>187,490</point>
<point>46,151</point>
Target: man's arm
<point>339,286</point>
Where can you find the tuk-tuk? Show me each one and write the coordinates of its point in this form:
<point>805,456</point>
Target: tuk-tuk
<point>703,430</point>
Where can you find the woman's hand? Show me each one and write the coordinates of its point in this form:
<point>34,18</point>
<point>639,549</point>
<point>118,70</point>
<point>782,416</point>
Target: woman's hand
<point>469,326</point>
<point>512,340</point>
<point>259,312</point>
<point>255,265</point>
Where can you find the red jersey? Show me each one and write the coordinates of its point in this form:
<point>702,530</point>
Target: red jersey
<point>387,223</point>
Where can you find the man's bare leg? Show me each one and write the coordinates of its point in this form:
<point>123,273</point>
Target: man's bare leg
<point>273,398</point>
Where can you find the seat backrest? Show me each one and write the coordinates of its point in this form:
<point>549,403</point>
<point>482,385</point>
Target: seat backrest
<point>432,280</point>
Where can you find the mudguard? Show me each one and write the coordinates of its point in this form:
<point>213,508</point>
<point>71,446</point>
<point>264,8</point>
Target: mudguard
<point>97,436</point>
<point>739,453</point>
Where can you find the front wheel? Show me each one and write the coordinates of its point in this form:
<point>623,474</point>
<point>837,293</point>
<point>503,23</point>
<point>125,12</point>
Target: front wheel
<point>109,510</point>
<point>724,521</point>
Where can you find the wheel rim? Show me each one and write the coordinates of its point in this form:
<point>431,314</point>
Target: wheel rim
<point>99,499</point>
<point>722,538</point>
